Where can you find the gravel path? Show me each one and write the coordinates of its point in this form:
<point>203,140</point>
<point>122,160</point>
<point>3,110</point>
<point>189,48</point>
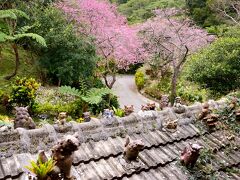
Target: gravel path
<point>127,93</point>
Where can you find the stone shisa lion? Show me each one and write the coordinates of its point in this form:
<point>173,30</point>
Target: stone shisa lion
<point>23,119</point>
<point>62,154</point>
<point>178,107</point>
<point>132,148</point>
<point>190,154</point>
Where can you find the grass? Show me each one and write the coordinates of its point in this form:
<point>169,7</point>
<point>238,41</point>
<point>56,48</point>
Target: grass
<point>7,63</point>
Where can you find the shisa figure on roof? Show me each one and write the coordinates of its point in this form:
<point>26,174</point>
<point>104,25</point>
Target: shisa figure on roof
<point>164,102</point>
<point>107,113</point>
<point>23,119</point>
<point>233,103</point>
<point>178,107</point>
<point>62,118</point>
<point>205,111</point>
<point>128,110</point>
<point>190,154</point>
<point>211,120</point>
<point>87,116</point>
<point>132,148</point>
<point>62,153</point>
<point>148,107</point>
<point>171,124</point>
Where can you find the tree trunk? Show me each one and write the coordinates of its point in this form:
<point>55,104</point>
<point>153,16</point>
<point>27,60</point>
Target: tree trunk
<point>109,84</point>
<point>174,85</point>
<point>17,62</point>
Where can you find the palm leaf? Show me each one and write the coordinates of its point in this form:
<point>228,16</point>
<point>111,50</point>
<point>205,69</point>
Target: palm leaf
<point>34,36</point>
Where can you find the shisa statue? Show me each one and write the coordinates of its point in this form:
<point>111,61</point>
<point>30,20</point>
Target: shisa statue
<point>205,111</point>
<point>62,153</point>
<point>171,124</point>
<point>107,113</point>
<point>23,119</point>
<point>233,103</point>
<point>62,118</point>
<point>87,116</point>
<point>190,154</point>
<point>164,102</point>
<point>178,107</point>
<point>132,148</point>
<point>211,120</point>
<point>148,107</point>
<point>128,110</point>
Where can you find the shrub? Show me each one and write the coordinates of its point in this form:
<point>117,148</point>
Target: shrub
<point>217,67</point>
<point>24,92</point>
<point>153,91</point>
<point>190,92</point>
<point>139,79</point>
<point>68,57</point>
<point>118,112</point>
<point>94,99</point>
<point>41,169</point>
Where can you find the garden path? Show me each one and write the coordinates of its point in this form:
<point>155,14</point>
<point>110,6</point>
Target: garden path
<point>127,92</point>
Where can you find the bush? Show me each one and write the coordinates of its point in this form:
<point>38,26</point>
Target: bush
<point>153,91</point>
<point>190,92</point>
<point>24,92</point>
<point>217,67</point>
<point>108,101</point>
<point>139,79</point>
<point>68,57</point>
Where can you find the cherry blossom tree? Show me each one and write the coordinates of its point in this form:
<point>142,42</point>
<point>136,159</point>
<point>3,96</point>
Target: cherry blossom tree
<point>171,40</point>
<point>117,43</point>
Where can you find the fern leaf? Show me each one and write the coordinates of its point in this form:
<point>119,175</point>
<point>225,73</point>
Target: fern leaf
<point>12,14</point>
<point>69,90</point>
<point>19,13</point>
<point>95,95</point>
<point>7,14</point>
<point>36,37</point>
<point>3,37</point>
<point>24,29</point>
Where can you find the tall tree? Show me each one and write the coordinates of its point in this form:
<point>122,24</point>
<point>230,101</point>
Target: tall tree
<point>171,41</point>
<point>10,33</point>
<point>116,42</point>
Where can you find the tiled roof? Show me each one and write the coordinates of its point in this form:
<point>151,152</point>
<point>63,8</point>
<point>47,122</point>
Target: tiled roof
<point>100,155</point>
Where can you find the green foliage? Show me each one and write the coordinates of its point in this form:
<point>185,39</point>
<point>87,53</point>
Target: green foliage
<point>228,116</point>
<point>118,112</point>
<point>68,57</point>
<point>201,13</point>
<point>217,67</point>
<point>107,102</point>
<point>153,91</point>
<point>139,79</point>
<point>92,96</point>
<point>140,10</point>
<point>12,14</point>
<point>95,95</point>
<point>41,169</point>
<point>23,92</point>
<point>190,92</point>
<point>96,99</point>
<point>70,90</point>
